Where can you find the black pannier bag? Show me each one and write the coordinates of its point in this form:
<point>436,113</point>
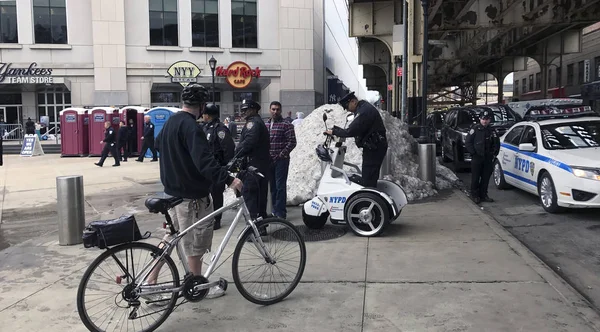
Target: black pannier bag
<point>106,233</point>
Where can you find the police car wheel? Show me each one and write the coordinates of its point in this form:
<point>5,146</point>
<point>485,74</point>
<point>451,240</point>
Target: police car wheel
<point>547,194</point>
<point>367,214</point>
<point>499,180</point>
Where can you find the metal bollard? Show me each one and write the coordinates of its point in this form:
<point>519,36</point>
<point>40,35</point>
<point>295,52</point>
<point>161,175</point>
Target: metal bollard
<point>427,161</point>
<point>71,209</point>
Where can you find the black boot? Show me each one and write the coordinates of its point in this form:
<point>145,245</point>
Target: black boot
<point>487,198</point>
<point>217,224</point>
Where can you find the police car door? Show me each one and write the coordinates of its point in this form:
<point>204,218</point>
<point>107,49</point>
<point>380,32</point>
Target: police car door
<point>509,154</point>
<point>525,163</point>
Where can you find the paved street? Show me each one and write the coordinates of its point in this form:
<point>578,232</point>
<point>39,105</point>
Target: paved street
<point>567,242</point>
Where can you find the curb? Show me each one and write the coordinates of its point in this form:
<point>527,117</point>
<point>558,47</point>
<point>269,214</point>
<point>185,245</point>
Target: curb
<point>570,295</point>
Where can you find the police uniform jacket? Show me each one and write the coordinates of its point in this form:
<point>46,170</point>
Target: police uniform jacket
<point>109,136</point>
<point>220,141</point>
<point>482,141</point>
<point>367,128</point>
<point>148,131</point>
<point>123,134</point>
<point>255,143</point>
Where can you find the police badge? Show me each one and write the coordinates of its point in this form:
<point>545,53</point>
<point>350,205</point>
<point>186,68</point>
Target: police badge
<point>532,167</point>
<point>249,125</point>
<point>471,131</point>
<point>221,134</point>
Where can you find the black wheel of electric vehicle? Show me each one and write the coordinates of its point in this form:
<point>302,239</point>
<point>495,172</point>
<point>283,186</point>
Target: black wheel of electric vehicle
<point>262,281</point>
<point>367,214</point>
<point>314,222</point>
<point>109,280</point>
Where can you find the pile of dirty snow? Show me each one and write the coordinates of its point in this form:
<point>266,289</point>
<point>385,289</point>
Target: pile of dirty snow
<point>305,167</point>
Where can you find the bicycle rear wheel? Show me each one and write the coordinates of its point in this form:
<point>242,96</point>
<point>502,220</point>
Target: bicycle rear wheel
<point>260,281</point>
<point>107,285</point>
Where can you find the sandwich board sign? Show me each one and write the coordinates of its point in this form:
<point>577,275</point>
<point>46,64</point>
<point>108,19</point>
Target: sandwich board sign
<point>31,146</point>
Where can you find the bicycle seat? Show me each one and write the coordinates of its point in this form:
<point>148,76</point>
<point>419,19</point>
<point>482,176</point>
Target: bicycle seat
<point>162,205</point>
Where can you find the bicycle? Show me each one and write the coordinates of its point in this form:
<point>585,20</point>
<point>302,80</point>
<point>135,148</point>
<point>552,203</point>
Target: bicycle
<point>133,289</point>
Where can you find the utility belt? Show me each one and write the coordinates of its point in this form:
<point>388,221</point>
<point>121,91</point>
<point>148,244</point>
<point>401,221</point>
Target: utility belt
<point>373,140</point>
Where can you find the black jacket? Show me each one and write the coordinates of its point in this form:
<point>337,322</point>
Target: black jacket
<point>220,141</point>
<point>123,135</point>
<point>148,131</point>
<point>109,136</point>
<point>255,144</point>
<point>187,165</point>
<point>482,142</point>
<point>367,128</point>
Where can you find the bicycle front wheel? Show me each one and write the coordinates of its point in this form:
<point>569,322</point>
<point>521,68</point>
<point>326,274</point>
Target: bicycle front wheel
<point>261,280</point>
<point>105,300</point>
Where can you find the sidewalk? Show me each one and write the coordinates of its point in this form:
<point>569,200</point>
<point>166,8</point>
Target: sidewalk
<point>443,266</point>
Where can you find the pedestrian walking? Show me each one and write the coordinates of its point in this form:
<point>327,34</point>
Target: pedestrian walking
<point>222,146</point>
<point>483,144</point>
<point>369,133</point>
<point>282,140</point>
<point>254,144</point>
<point>188,170</point>
<point>122,138</point>
<point>109,141</point>
<point>148,140</point>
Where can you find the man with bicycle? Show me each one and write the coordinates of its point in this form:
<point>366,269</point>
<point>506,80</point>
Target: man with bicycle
<point>188,169</point>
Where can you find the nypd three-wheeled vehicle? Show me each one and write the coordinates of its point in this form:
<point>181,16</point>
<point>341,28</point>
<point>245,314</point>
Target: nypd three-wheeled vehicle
<point>341,198</point>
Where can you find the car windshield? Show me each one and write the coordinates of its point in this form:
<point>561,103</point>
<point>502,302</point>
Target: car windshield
<point>466,119</point>
<point>574,135</point>
<point>502,114</point>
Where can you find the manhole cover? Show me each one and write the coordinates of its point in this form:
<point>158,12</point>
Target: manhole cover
<point>328,232</point>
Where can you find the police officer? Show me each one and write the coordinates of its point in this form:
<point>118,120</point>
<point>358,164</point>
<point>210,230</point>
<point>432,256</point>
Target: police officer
<point>255,144</point>
<point>369,134</point>
<point>483,144</point>
<point>132,139</point>
<point>148,140</point>
<point>123,136</point>
<point>110,141</point>
<point>222,146</point>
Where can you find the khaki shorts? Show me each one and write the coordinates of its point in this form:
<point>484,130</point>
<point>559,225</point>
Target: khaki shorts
<point>199,239</point>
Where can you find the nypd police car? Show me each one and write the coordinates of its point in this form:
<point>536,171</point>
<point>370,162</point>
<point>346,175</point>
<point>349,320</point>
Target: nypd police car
<point>555,154</point>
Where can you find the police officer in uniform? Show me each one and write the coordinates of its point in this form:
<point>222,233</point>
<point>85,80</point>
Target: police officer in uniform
<point>123,136</point>
<point>255,144</point>
<point>369,134</point>
<point>110,145</point>
<point>483,144</point>
<point>222,146</point>
<point>148,140</point>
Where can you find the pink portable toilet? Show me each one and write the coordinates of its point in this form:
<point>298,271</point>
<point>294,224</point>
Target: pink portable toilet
<point>136,113</point>
<point>97,117</point>
<point>74,132</point>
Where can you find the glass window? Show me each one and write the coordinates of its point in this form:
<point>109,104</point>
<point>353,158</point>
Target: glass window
<point>531,82</point>
<point>513,137</point>
<point>558,76</point>
<point>529,136</point>
<point>524,86</point>
<point>516,87</point>
<point>574,135</point>
<point>50,22</point>
<point>570,74</point>
<point>205,23</point>
<point>164,28</point>
<point>240,96</point>
<point>10,98</point>
<point>597,71</point>
<point>244,24</point>
<point>165,97</point>
<point>466,119</point>
<point>581,73</point>
<point>8,22</point>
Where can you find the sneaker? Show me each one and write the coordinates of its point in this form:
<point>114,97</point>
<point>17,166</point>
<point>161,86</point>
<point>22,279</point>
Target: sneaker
<point>215,292</point>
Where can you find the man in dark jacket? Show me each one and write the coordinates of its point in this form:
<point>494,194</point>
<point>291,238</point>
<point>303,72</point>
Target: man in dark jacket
<point>254,144</point>
<point>369,134</point>
<point>148,140</point>
<point>188,169</point>
<point>110,141</point>
<point>123,136</point>
<point>222,147</point>
<point>132,140</point>
<point>29,127</point>
<point>483,144</point>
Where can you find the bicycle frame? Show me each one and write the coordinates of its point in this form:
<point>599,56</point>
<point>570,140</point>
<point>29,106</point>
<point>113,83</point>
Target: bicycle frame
<point>175,243</point>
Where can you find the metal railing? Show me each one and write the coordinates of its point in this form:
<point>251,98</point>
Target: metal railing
<point>12,132</point>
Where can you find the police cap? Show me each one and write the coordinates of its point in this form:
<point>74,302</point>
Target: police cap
<point>346,100</point>
<point>248,103</point>
<point>486,114</point>
<point>211,109</point>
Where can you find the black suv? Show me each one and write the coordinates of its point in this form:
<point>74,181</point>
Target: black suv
<point>435,122</point>
<point>457,123</point>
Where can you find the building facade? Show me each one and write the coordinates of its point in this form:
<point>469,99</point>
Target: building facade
<point>576,75</point>
<point>84,53</point>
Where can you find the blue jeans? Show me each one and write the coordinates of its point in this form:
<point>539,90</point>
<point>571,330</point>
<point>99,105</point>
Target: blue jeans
<point>278,180</point>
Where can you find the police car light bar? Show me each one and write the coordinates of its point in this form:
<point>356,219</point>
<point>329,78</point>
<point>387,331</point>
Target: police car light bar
<point>555,112</point>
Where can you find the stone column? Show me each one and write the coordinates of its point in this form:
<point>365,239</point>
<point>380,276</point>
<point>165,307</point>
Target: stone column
<point>110,78</point>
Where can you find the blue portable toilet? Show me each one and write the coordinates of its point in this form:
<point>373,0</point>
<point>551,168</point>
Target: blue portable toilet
<point>159,116</point>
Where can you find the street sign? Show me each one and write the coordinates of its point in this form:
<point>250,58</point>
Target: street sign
<point>399,71</point>
<point>31,146</point>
